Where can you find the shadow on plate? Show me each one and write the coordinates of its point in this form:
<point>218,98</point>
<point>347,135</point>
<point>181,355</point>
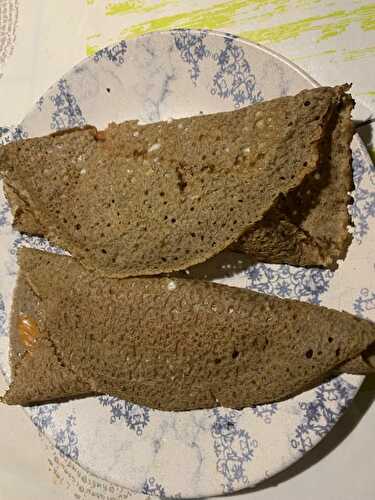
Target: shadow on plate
<point>365,131</point>
<point>347,423</point>
<point>223,265</point>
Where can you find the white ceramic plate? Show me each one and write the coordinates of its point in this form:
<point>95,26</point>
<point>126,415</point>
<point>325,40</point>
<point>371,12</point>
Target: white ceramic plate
<point>197,453</point>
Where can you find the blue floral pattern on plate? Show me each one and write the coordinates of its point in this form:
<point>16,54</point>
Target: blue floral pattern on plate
<point>64,436</point>
<point>4,213</point>
<point>2,316</point>
<point>234,448</point>
<point>136,417</point>
<point>289,282</point>
<point>114,53</point>
<point>34,242</point>
<point>363,208</point>
<point>153,488</point>
<point>265,412</point>
<point>192,50</point>
<point>10,134</point>
<point>221,72</point>
<point>364,303</point>
<point>39,103</point>
<point>67,112</point>
<point>233,78</point>
<point>321,413</point>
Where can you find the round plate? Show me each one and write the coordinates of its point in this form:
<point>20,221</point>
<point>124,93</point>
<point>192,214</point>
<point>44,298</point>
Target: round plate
<point>196,453</point>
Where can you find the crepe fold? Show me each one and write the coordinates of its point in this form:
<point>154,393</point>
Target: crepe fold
<point>272,179</point>
<point>309,227</point>
<point>168,344</point>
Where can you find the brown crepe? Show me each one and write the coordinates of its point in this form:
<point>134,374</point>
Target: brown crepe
<point>168,344</point>
<point>161,197</point>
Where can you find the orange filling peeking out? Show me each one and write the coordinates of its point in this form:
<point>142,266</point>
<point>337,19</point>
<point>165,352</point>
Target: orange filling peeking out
<point>28,330</point>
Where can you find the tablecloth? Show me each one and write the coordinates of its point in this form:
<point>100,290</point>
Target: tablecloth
<point>334,41</point>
